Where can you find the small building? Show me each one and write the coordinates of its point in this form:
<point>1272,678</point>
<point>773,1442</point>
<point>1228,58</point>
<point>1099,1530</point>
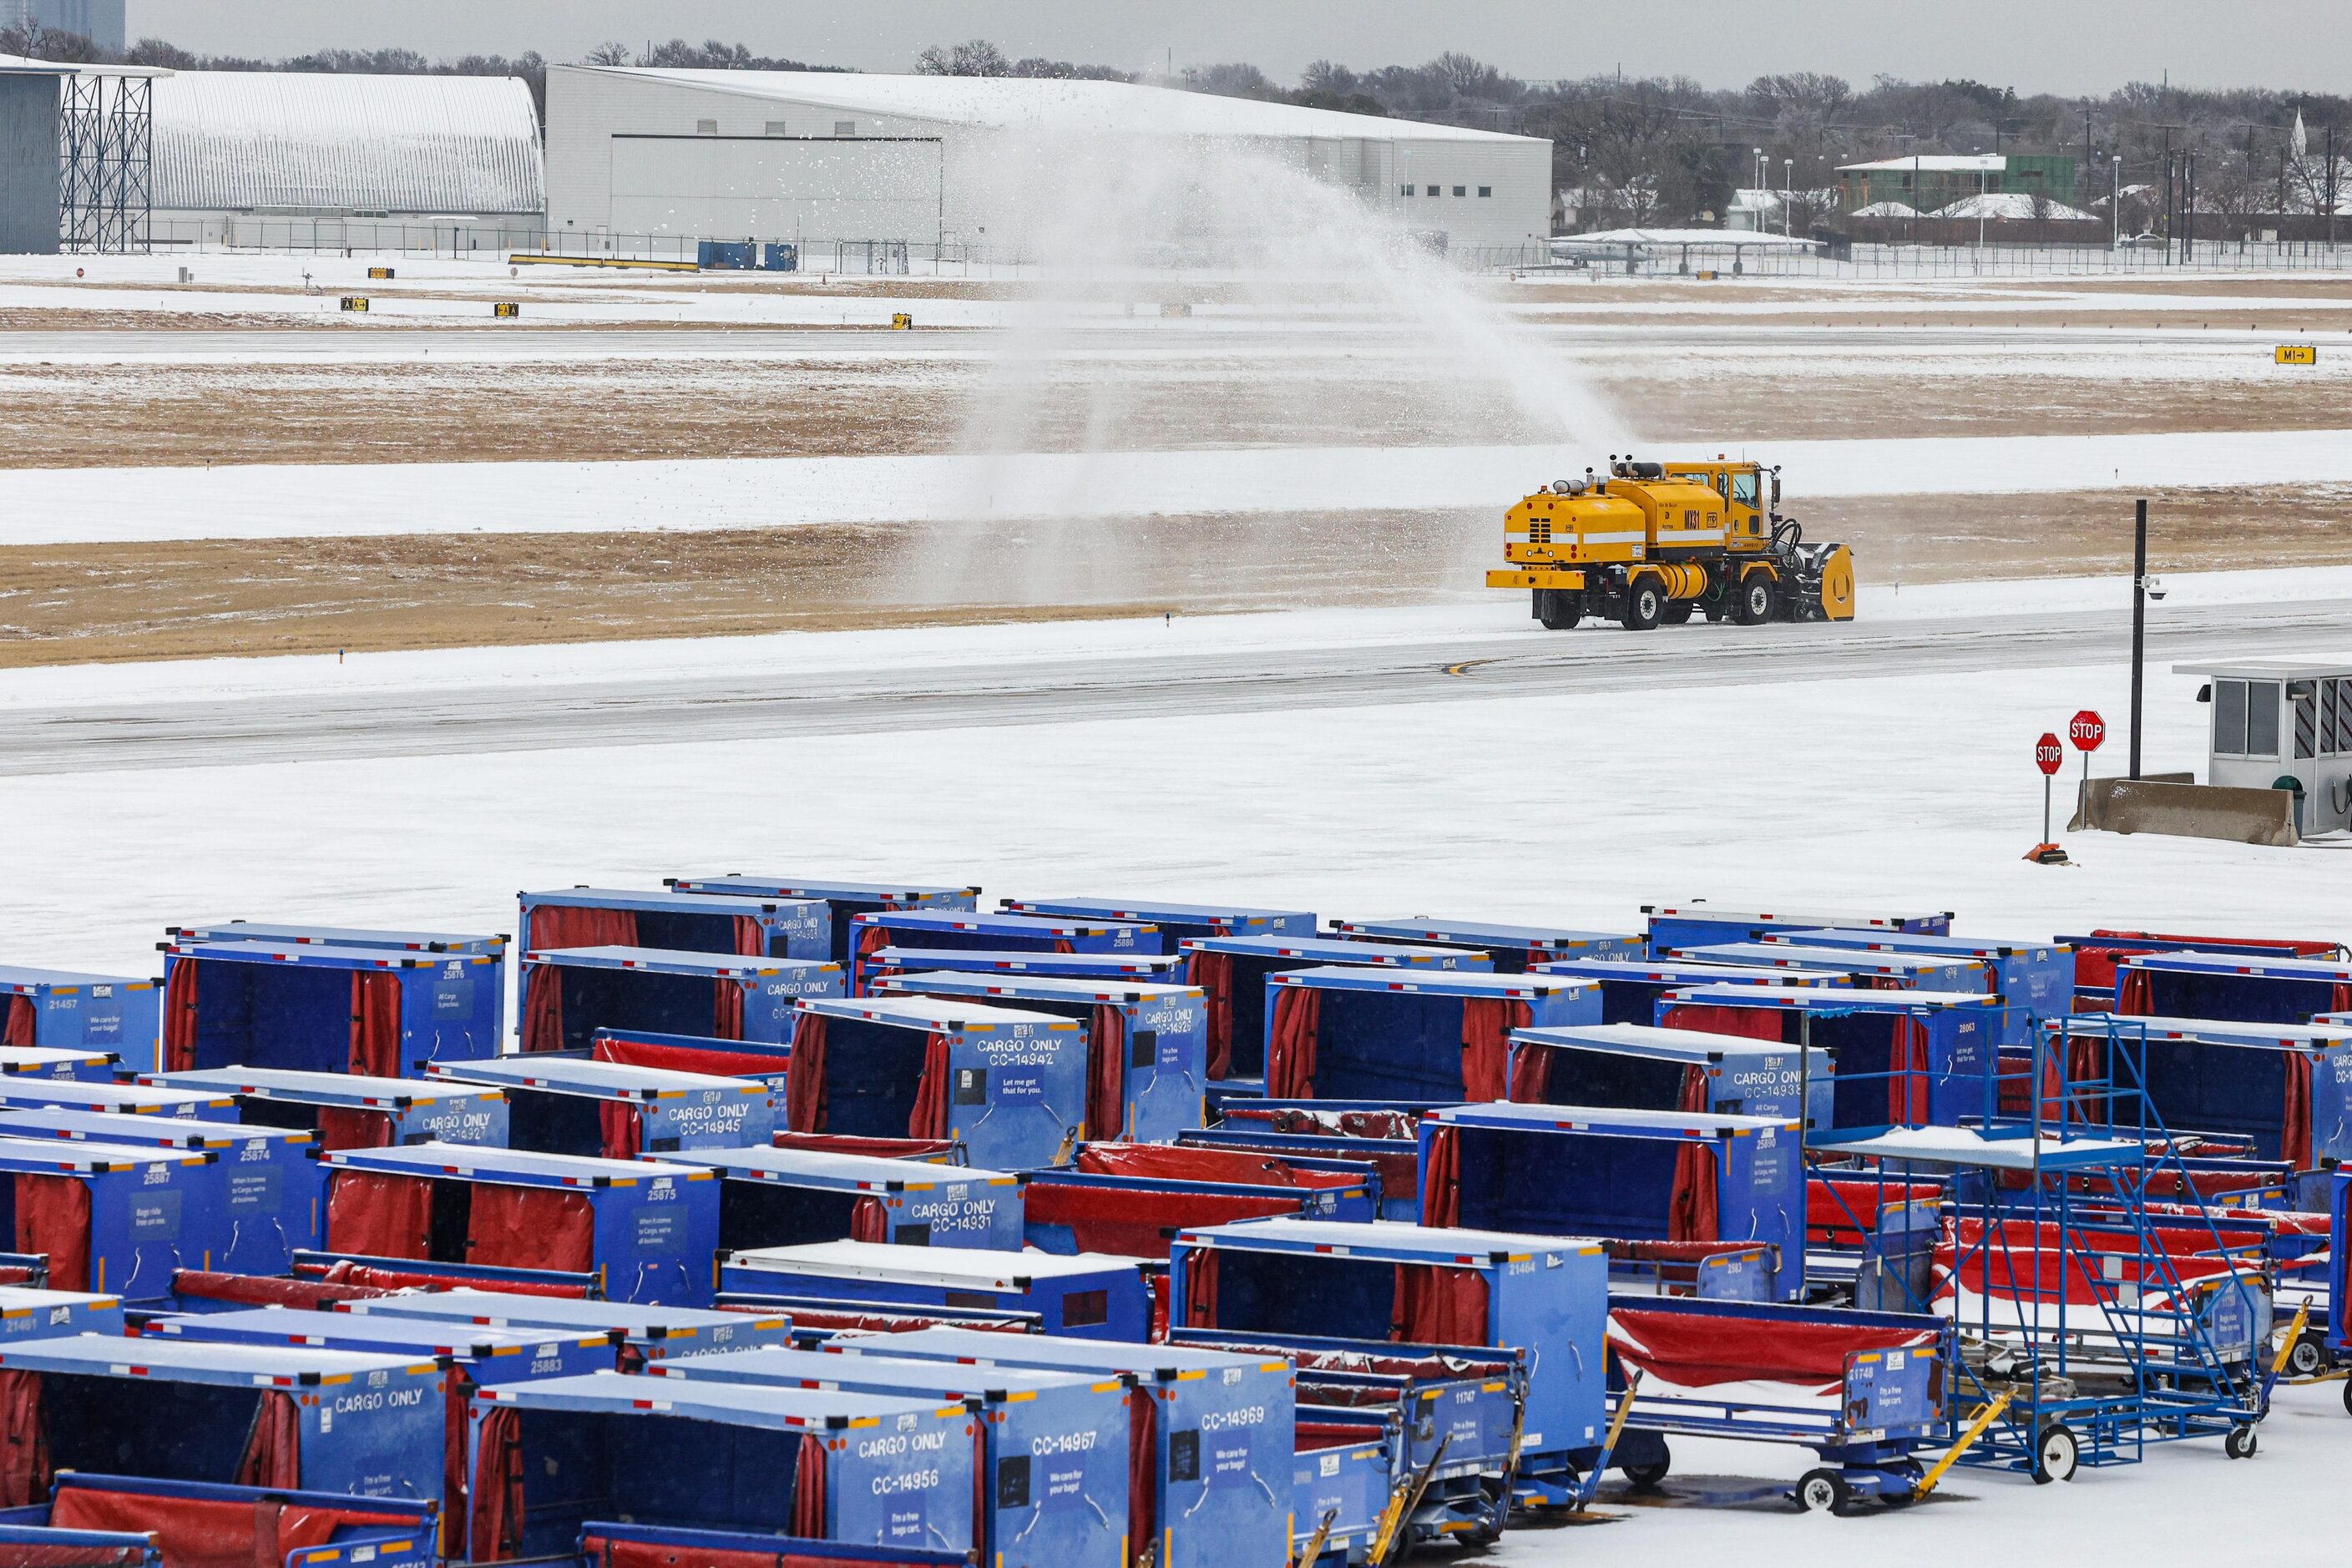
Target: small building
<point>2283,724</point>
<point>1927,181</point>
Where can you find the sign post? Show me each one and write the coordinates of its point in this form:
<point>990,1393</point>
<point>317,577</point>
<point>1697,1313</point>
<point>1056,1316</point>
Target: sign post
<point>2049,755</point>
<point>2086,729</point>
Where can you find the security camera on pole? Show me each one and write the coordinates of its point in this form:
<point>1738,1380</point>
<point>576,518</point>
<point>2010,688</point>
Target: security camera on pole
<point>2049,755</point>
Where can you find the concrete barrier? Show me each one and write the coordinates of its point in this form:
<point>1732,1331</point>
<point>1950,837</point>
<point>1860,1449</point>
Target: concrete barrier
<point>2173,804</point>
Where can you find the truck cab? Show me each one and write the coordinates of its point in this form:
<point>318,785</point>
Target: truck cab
<point>1751,495</point>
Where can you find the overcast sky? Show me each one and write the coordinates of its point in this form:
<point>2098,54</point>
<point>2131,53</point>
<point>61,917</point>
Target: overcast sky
<point>2057,46</point>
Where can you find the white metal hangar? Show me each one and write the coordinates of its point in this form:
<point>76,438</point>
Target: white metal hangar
<point>811,156</point>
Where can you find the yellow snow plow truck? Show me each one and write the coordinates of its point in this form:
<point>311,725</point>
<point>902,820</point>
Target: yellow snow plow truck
<point>1653,542</point>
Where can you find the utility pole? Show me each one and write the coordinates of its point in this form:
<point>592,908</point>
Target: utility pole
<point>2140,622</point>
<point>2168,195</point>
<point>2331,190</point>
<point>2115,205</point>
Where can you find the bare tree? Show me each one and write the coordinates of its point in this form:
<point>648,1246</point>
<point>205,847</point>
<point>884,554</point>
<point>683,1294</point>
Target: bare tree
<point>974,57</point>
<point>608,53</point>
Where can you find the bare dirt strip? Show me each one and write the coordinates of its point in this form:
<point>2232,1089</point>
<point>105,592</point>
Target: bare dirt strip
<point>86,604</point>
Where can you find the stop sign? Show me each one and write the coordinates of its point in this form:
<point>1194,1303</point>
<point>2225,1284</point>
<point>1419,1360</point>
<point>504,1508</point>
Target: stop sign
<point>2086,729</point>
<point>2048,753</point>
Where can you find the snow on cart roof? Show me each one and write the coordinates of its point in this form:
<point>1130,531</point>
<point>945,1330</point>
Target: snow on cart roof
<point>1845,960</point>
<point>846,1172</point>
<point>659,898</point>
<point>801,888</point>
<point>1847,920</point>
<point>1909,941</point>
<point>41,1061</point>
<point>983,959</point>
<point>1484,933</point>
<point>973,1268</point>
<point>324,954</point>
<point>1040,987</point>
<point>285,935</point>
<point>732,1403</point>
<point>1692,972</point>
<point>669,961</point>
<point>594,1080</point>
<point>1966,1146</point>
<point>354,1091</point>
<point>1335,950</point>
<point>519,1167</point>
<point>980,1347</point>
<point>141,1098</point>
<point>926,1013</point>
<point>1341,1237</point>
<point>2319,1035</point>
<point>31,1154</point>
<point>437,1336</point>
<point>824,1369</point>
<point>140,1132</point>
<point>1609,1121</point>
<point>995,923</point>
<point>504,1308</point>
<point>2315,969</point>
<point>1147,913</point>
<point>1646,1040</point>
<point>1814,999</point>
<point>1439,983</point>
<point>19,979</point>
<point>204,1361</point>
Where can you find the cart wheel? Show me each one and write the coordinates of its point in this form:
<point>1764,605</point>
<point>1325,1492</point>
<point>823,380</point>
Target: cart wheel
<point>1823,1491</point>
<point>2307,1357</point>
<point>2240,1443</point>
<point>2055,1456</point>
<point>2347,1399</point>
<point>1647,1476</point>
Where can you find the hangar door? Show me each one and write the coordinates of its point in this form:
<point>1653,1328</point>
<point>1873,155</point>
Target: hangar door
<point>777,188</point>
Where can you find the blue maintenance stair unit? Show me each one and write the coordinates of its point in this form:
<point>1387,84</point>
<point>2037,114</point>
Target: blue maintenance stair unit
<point>570,993</point>
<point>790,1197</point>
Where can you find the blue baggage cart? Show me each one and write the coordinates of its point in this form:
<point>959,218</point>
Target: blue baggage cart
<point>1696,923</point>
<point>842,899</point>
<point>1868,969</point>
<point>350,1110</point>
<point>141,1098</point>
<point>58,1062</point>
<point>2033,980</point>
<point>1010,1084</point>
<point>1157,968</point>
<point>567,1105</point>
<point>549,1456</point>
<point>1146,1046</point>
<point>1386,1287</point>
<point>375,1010</point>
<point>112,1217</point>
<point>2245,988</point>
<point>570,993</point>
<point>766,1060</point>
<point>1173,922</point>
<point>1221,1426</point>
<point>266,1180</point>
<point>1396,1161</point>
<point>1132,1198</point>
<point>641,1331</point>
<point>1515,949</point>
<point>1630,987</point>
<point>1340,1482</point>
<point>2284,1088</point>
<point>32,1312</point>
<point>1376,1033</point>
<point>58,1009</point>
<point>969,929</point>
<point>85,1516</point>
<point>28,1537</point>
<point>788,1197</point>
<point>279,1416</point>
<point>284,934</point>
<point>1639,1066</point>
<point>674,921</point>
<point>606,1544</point>
<point>634,1230</point>
<point>1094,1295</point>
<point>1053,1487</point>
<point>1906,1058</point>
<point>1710,1179</point>
<point>1232,972</point>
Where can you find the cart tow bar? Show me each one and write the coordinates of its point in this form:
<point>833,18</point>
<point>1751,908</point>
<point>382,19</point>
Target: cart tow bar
<point>1587,1488</point>
<point>1314,1547</point>
<point>1398,1519</point>
<point>2278,1365</point>
<point>1985,1417</point>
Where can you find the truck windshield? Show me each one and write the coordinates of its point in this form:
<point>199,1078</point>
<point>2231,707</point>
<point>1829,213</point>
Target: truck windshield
<point>1743,488</point>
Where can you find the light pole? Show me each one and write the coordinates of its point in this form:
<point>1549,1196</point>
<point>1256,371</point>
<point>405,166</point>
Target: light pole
<point>2115,205</point>
<point>1788,192</point>
<point>1762,180</point>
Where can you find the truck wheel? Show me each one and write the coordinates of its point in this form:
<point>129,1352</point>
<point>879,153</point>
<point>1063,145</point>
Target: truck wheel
<point>1679,611</point>
<point>1646,601</point>
<point>1753,600</point>
<point>1558,608</point>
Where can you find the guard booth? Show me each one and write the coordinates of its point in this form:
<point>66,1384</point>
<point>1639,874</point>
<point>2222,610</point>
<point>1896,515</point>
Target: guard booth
<point>1393,1290</point>
<point>1146,1046</point>
<point>1902,1057</point>
<point>567,1105</point>
<point>641,1331</point>
<point>843,900</point>
<point>348,1111</point>
<point>2284,1088</point>
<point>141,1098</point>
<point>1639,1066</point>
<point>29,1312</point>
<point>1095,1295</point>
<point>569,993</point>
<point>1009,1084</point>
<point>277,1417</point>
<point>1132,1198</point>
<point>1232,972</point>
<point>2241,987</point>
<point>632,1230</point>
<point>1054,1451</point>
<point>1174,922</point>
<point>1627,1176</point>
<point>378,1011</point>
<point>1376,1033</point>
<point>98,1013</point>
<point>547,1456</point>
<point>1211,1437</point>
<point>2283,724</point>
<point>1700,925</point>
<point>1515,949</point>
<point>1630,987</point>
<point>114,1218</point>
<point>879,929</point>
<point>675,923</point>
<point>264,1183</point>
<point>792,1197</point>
<point>1138,968</point>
